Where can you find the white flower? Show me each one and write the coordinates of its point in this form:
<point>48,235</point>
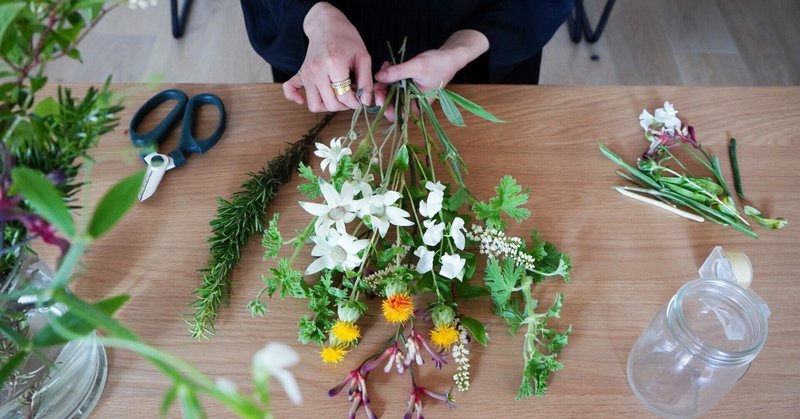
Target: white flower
<point>457,232</point>
<point>336,250</point>
<point>665,118</point>
<point>331,155</point>
<point>273,360</point>
<point>425,263</point>
<point>433,205</point>
<point>361,182</point>
<point>382,213</point>
<point>226,386</point>
<point>433,233</point>
<point>452,266</point>
<point>140,4</point>
<point>339,208</point>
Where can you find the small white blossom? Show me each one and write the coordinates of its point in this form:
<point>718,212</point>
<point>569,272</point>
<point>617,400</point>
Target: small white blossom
<point>452,266</point>
<point>665,118</point>
<point>433,204</point>
<point>382,213</point>
<point>336,250</point>
<point>338,209</point>
<point>425,263</point>
<point>141,4</point>
<point>273,360</point>
<point>361,182</point>
<point>433,232</point>
<point>331,155</point>
<point>457,233</point>
<point>461,357</point>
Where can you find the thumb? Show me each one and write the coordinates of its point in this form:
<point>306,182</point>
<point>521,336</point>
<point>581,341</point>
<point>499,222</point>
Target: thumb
<point>393,73</point>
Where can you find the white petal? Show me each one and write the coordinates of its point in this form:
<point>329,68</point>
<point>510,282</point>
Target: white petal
<point>289,385</point>
<point>382,224</point>
<point>320,264</point>
<point>433,235</point>
<point>346,196</point>
<point>645,119</point>
<point>330,194</point>
<point>434,186</point>
<point>425,263</point>
<point>390,197</point>
<point>398,216</point>
<point>456,233</point>
<point>275,356</point>
<point>452,265</point>
<point>314,208</point>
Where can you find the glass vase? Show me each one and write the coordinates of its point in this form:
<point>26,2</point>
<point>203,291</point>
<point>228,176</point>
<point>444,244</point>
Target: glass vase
<point>63,381</point>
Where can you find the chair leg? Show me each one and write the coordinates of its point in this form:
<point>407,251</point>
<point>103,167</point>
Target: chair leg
<point>579,26</point>
<point>179,18</point>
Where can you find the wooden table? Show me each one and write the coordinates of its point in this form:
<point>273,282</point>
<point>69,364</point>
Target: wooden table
<point>629,258</point>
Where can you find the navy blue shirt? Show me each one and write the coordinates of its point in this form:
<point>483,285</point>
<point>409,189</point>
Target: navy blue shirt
<point>517,29</point>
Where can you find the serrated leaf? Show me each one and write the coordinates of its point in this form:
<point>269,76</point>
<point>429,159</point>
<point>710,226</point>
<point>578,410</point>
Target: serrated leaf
<point>114,204</point>
<point>476,329</point>
<point>502,280</point>
<point>43,198</point>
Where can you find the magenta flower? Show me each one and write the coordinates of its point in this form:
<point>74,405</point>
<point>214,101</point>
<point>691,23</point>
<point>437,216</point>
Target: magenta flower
<point>356,392</point>
<point>414,343</point>
<point>415,400</point>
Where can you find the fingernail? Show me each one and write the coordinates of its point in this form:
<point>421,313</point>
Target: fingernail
<point>380,76</point>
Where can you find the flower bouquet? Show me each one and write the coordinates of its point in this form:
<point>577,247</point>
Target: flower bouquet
<point>392,219</point>
<point>660,174</point>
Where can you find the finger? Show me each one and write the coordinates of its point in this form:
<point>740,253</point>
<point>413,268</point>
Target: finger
<point>406,70</point>
<point>291,89</point>
<point>364,78</point>
<point>329,98</point>
<point>348,99</point>
<point>315,103</point>
<point>381,90</point>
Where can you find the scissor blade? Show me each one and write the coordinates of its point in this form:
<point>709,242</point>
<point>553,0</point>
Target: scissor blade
<point>156,167</point>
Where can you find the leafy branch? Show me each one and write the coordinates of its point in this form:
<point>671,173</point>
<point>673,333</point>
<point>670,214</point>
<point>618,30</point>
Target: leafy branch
<point>236,221</point>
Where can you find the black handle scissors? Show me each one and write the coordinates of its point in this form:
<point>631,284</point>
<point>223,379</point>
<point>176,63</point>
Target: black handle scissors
<point>186,109</point>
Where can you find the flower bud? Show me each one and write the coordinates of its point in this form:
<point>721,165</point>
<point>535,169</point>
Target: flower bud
<point>394,287</point>
<point>349,311</point>
<point>443,315</point>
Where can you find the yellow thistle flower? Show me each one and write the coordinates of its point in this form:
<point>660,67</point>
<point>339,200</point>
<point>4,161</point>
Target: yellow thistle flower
<point>333,354</point>
<point>444,336</point>
<point>345,332</point>
<point>398,308</point>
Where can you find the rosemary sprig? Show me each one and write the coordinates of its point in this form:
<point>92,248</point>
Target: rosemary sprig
<point>236,221</point>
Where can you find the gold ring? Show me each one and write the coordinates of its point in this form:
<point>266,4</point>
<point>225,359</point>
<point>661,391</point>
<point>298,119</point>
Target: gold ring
<point>339,84</point>
<point>341,90</point>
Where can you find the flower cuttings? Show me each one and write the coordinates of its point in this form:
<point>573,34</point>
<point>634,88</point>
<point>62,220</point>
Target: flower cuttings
<point>384,225</point>
<point>668,182</point>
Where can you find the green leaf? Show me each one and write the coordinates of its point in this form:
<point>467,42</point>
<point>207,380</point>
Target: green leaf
<point>311,188</point>
<point>48,336</point>
<point>401,161</point>
<point>502,280</point>
<point>11,365</point>
<point>272,239</point>
<point>507,201</point>
<point>47,107</point>
<point>169,398</point>
<point>38,82</point>
<point>773,223</point>
<point>470,106</point>
<point>466,290</point>
<point>450,109</point>
<point>640,176</point>
<point>8,12</point>
<point>43,198</point>
<point>116,202</point>
<point>476,329</point>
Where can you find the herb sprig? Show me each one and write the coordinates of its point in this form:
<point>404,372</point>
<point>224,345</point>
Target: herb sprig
<point>236,221</point>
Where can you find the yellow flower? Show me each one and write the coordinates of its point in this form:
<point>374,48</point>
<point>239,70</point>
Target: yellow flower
<point>345,332</point>
<point>333,354</point>
<point>398,308</point>
<point>444,336</point>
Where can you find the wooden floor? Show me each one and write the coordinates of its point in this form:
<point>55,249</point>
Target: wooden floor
<point>646,42</point>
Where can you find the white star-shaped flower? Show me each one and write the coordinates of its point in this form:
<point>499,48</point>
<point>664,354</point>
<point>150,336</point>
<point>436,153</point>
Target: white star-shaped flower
<point>433,232</point>
<point>457,233</point>
<point>425,263</point>
<point>452,266</point>
<point>361,182</point>
<point>338,209</point>
<point>331,155</point>
<point>273,360</point>
<point>382,213</point>
<point>336,251</point>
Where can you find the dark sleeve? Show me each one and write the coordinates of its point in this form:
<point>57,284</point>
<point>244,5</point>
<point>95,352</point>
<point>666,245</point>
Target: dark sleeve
<point>516,29</point>
<point>275,30</point>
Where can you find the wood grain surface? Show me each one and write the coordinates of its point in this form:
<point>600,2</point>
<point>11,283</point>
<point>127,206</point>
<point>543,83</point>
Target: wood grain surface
<point>629,258</point>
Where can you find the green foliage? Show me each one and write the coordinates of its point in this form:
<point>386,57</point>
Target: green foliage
<point>502,280</point>
<point>115,204</point>
<point>43,198</point>
<point>509,196</point>
<point>272,240</point>
<point>310,189</point>
<point>476,329</point>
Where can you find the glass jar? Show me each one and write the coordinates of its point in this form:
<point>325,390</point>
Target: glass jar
<point>698,346</point>
<point>66,380</point>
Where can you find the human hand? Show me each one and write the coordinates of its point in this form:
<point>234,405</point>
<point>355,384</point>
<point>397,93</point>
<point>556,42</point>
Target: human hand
<point>434,68</point>
<point>334,50</point>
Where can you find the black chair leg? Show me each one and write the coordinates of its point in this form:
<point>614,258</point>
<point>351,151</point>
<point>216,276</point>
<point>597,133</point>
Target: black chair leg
<point>179,17</point>
<point>579,25</point>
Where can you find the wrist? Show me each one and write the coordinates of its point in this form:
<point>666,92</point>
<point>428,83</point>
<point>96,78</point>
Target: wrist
<point>465,46</point>
<point>318,17</point>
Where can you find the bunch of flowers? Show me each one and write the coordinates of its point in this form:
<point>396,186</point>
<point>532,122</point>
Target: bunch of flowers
<point>386,223</point>
<point>659,173</point>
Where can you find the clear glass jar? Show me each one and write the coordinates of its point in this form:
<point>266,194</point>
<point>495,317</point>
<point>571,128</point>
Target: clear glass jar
<point>67,380</point>
<point>697,347</point>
